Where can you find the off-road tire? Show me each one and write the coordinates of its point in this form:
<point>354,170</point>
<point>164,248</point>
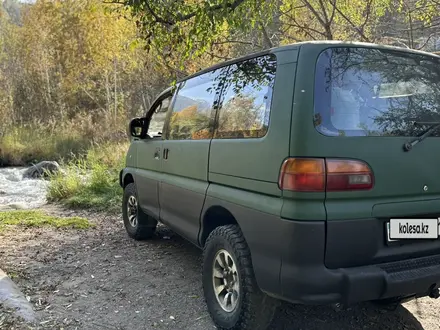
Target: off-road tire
<point>254,310</point>
<point>146,225</point>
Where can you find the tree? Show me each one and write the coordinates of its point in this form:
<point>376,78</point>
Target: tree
<point>227,28</point>
<point>332,19</point>
<point>418,24</point>
<point>190,28</point>
<point>75,61</point>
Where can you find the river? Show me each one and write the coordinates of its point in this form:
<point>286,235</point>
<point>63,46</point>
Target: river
<point>16,192</point>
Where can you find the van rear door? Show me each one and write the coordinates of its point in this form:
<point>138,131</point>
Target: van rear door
<point>369,103</point>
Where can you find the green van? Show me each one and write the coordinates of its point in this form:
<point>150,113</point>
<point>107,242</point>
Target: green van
<point>308,173</point>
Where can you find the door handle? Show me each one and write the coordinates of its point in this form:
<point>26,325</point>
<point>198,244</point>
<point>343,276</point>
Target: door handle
<point>157,153</point>
<point>165,153</point>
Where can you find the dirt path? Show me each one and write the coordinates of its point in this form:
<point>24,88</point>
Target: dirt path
<point>100,279</point>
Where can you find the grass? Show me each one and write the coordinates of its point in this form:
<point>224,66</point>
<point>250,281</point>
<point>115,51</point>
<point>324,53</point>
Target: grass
<point>29,144</point>
<point>91,182</point>
<point>23,144</point>
<point>36,218</point>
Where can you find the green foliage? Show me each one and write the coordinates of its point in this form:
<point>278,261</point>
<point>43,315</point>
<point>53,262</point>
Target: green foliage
<point>91,182</point>
<point>65,185</point>
<point>36,218</point>
<point>191,27</point>
<point>197,27</point>
<point>326,19</point>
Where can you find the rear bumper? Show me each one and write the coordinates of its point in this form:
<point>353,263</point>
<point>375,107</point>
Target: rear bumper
<point>305,279</point>
<point>319,285</point>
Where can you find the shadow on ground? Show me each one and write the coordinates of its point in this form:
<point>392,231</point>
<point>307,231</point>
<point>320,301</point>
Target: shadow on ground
<point>360,317</point>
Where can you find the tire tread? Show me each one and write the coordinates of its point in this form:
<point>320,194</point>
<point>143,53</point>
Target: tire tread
<point>257,309</point>
<point>144,229</point>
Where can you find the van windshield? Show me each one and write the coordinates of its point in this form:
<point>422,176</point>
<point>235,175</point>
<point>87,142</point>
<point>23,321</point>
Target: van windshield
<point>375,92</point>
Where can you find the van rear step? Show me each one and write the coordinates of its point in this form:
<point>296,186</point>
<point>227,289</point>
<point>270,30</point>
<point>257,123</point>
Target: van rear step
<point>413,277</point>
<point>411,268</point>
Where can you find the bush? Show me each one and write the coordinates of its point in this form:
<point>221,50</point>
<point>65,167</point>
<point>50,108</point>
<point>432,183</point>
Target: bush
<point>92,182</point>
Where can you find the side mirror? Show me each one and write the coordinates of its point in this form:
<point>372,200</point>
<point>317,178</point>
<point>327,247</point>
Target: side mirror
<point>137,128</point>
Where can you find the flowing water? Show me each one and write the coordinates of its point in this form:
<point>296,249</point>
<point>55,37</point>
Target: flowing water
<point>16,192</point>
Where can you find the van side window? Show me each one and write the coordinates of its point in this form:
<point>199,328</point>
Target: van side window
<point>192,111</point>
<point>157,121</point>
<point>246,102</point>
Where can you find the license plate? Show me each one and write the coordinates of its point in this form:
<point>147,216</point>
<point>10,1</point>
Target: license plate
<point>398,229</point>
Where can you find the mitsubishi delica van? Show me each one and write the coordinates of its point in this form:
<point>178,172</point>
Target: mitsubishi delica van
<point>308,173</point>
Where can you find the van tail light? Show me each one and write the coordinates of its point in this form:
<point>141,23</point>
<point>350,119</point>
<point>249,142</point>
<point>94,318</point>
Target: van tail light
<point>344,174</point>
<point>303,174</point>
<point>319,175</point>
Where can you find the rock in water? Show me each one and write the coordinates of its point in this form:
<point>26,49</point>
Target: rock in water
<point>17,206</point>
<point>41,170</point>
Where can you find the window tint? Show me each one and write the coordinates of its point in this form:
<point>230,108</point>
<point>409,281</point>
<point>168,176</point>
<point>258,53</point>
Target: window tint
<point>373,92</point>
<point>192,112</point>
<point>246,101</point>
<point>157,121</point>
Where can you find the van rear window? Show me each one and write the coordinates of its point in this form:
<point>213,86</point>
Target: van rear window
<point>375,92</point>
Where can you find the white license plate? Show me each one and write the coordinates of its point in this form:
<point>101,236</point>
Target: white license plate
<point>398,229</point>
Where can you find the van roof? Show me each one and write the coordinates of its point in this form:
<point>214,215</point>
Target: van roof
<point>302,44</point>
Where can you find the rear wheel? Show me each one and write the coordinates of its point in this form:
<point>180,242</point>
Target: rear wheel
<point>232,295</point>
<point>138,225</point>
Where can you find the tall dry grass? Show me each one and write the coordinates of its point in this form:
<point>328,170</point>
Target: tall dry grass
<point>23,144</point>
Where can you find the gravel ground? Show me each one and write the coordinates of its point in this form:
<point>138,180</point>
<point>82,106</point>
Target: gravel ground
<point>101,279</point>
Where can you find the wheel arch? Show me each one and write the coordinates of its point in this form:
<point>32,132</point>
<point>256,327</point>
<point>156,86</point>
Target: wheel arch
<point>215,216</point>
<point>126,178</point>
<point>263,233</point>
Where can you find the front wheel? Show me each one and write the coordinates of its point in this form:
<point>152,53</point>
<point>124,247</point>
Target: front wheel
<point>231,292</point>
<point>138,225</point>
